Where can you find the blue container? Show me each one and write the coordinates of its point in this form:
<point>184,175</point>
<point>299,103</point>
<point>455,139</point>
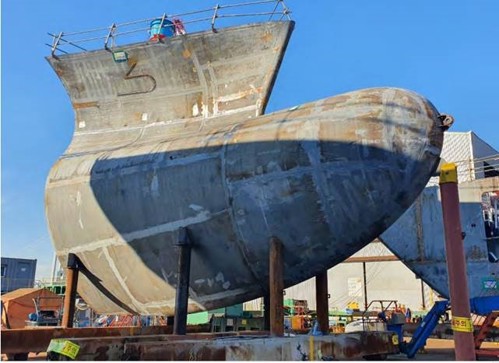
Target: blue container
<point>167,30</point>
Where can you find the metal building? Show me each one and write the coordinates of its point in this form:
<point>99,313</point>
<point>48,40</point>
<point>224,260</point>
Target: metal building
<point>17,273</point>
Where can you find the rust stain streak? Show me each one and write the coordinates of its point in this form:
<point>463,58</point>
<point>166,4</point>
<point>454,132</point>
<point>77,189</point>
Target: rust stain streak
<point>80,105</point>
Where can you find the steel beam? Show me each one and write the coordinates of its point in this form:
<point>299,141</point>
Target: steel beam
<point>386,258</point>
<point>276,287</point>
<point>354,345</point>
<point>16,341</point>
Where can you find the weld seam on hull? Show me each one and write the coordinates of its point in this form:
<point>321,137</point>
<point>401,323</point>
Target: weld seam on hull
<point>228,196</point>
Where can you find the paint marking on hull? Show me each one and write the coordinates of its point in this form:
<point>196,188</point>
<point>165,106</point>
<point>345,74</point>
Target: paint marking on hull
<point>144,233</point>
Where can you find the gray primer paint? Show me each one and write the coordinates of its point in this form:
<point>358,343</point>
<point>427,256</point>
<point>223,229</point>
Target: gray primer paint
<point>325,177</point>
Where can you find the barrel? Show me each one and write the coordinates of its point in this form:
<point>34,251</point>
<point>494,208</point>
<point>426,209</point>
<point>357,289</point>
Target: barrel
<point>160,31</point>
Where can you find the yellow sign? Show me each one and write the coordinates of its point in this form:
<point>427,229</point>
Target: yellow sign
<point>243,322</point>
<point>461,324</point>
<point>395,339</point>
<point>64,347</point>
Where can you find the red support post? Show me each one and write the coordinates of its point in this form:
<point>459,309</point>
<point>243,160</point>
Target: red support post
<point>456,265</point>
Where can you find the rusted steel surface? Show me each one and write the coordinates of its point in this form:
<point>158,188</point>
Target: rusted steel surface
<point>37,340</point>
<point>276,287</point>
<point>356,259</point>
<point>417,238</point>
<point>489,353</point>
<point>325,178</point>
<point>244,347</point>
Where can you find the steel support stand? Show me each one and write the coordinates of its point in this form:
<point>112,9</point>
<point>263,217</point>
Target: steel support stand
<point>71,286</point>
<point>423,303</point>
<point>182,294</point>
<point>322,297</point>
<point>456,265</point>
<point>276,287</point>
<point>365,285</point>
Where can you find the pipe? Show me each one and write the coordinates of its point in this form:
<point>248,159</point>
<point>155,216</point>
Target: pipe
<point>456,265</point>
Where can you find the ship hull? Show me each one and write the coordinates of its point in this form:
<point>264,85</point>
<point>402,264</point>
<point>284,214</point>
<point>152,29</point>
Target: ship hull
<point>418,239</point>
<point>325,178</point>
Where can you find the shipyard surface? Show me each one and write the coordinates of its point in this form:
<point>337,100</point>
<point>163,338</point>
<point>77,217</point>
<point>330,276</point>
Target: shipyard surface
<point>175,137</point>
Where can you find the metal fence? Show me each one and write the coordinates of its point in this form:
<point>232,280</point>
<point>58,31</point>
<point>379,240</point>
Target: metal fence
<point>472,169</point>
<point>135,31</point>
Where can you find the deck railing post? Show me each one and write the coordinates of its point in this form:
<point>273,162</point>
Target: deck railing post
<point>215,16</point>
<point>109,35</point>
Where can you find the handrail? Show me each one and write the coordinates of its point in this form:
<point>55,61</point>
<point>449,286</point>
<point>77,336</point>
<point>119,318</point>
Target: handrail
<point>472,169</point>
<point>69,42</point>
<point>367,313</point>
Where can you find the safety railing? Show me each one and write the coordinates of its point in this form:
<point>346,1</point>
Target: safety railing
<point>478,168</point>
<point>371,317</point>
<point>194,21</point>
<point>472,169</point>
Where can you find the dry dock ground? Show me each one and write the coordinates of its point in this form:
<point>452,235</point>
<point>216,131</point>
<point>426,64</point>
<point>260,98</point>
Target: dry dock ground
<point>435,350</point>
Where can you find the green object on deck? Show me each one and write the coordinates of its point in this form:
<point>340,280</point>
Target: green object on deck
<point>203,317</point>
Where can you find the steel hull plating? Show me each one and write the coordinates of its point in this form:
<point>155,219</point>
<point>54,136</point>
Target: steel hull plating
<point>418,239</point>
<point>326,178</point>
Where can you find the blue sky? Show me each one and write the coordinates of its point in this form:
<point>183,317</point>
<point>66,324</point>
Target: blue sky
<point>446,50</point>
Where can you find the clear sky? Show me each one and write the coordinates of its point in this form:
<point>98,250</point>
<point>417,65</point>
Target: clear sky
<point>446,50</point>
